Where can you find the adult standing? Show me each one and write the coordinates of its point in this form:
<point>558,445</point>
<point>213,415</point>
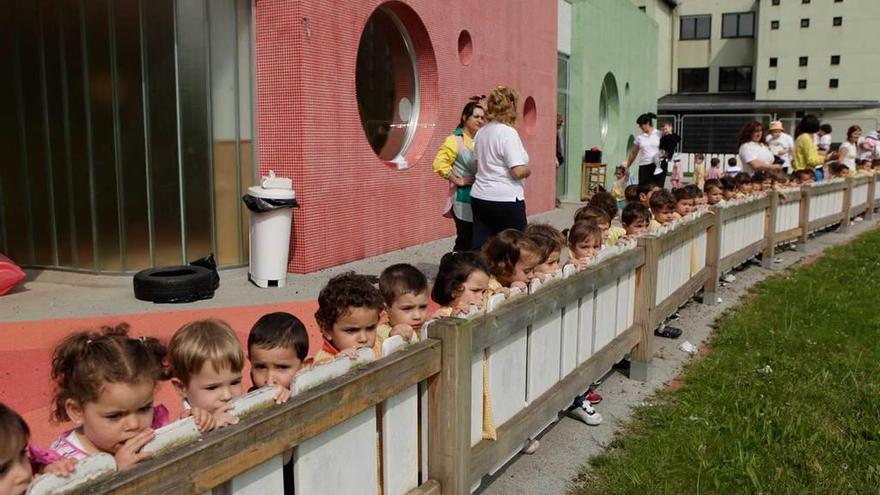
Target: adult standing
<point>753,152</point>
<point>498,194</point>
<point>457,163</point>
<point>806,155</point>
<point>849,149</point>
<point>781,144</point>
<point>646,148</point>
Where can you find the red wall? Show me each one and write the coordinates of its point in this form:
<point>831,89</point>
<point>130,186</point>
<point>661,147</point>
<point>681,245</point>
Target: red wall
<point>352,204</point>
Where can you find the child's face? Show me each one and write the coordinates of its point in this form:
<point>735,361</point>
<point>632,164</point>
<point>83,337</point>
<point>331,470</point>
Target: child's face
<point>767,185</point>
<point>666,129</point>
<point>645,198</point>
<point>606,230</point>
<point>664,215</point>
<point>714,195</point>
<point>121,411</point>
<point>16,474</point>
<point>355,328</point>
<point>619,174</point>
<point>700,202</point>
<point>524,270</point>
<point>210,389</point>
<point>729,194</point>
<point>684,206</point>
<point>273,366</point>
<point>409,309</point>
<point>638,227</point>
<point>473,289</point>
<point>586,248</point>
<point>550,266</point>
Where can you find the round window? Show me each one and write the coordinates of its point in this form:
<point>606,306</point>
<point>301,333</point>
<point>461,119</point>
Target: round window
<point>609,112</point>
<point>387,86</point>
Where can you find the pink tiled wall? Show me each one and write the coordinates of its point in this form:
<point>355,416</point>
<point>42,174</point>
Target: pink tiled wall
<point>353,205</point>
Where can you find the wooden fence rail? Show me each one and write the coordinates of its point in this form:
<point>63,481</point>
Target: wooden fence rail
<point>440,415</point>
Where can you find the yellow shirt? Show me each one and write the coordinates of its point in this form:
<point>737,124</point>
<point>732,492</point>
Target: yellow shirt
<point>614,235</point>
<point>806,157</point>
<point>700,174</point>
<point>447,153</point>
<point>654,225</point>
<point>384,331</point>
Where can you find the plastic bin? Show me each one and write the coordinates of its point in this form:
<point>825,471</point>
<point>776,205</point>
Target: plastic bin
<point>271,206</point>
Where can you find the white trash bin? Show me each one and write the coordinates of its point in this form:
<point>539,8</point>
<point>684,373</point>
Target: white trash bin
<point>270,232</point>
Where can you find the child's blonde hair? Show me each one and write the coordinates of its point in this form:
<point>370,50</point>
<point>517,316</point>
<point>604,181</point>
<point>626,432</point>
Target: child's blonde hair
<point>15,434</point>
<point>84,361</point>
<point>583,231</point>
<point>547,238</point>
<point>204,341</point>
<point>501,105</point>
<point>503,252</point>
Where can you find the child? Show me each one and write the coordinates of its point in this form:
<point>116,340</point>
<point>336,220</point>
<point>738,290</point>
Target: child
<point>676,171</point>
<point>743,185</point>
<point>699,170</point>
<point>838,170</point>
<point>105,383</point>
<point>348,315</point>
<point>685,202</point>
<point>278,347</point>
<point>733,167</point>
<point>621,182</point>
<point>462,281</point>
<point>646,191</point>
<point>599,217</point>
<point>550,242</point>
<point>803,176</point>
<point>511,257</point>
<point>606,202</point>
<point>405,291</point>
<point>668,142</point>
<point>16,471</point>
<point>584,242</point>
<point>728,187</point>
<point>631,193</point>
<point>636,217</point>
<point>663,208</point>
<point>714,192</point>
<point>700,200</point>
<point>760,182</point>
<point>715,169</point>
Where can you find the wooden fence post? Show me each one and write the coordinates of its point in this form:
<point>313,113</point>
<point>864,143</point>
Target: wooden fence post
<point>847,206</point>
<point>770,231</point>
<point>804,217</point>
<point>646,295</point>
<point>872,191</point>
<point>713,256</point>
<point>449,406</point>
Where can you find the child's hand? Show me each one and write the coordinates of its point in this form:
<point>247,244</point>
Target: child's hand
<point>223,418</point>
<point>403,330</point>
<point>129,454</point>
<point>521,285</point>
<point>350,353</point>
<point>282,394</point>
<point>582,263</point>
<point>205,421</point>
<point>61,467</point>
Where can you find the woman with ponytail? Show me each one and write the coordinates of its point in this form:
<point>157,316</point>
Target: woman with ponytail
<point>646,148</point>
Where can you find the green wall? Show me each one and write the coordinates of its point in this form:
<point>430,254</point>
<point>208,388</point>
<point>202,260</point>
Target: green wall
<point>608,37</point>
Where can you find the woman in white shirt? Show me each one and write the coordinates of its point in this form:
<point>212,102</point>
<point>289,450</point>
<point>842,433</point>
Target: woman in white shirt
<point>646,147</point>
<point>849,149</point>
<point>753,153</point>
<point>498,199</point>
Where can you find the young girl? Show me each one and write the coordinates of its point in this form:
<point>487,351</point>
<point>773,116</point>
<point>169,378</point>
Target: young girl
<point>16,472</point>
<point>348,315</point>
<point>597,216</point>
<point>676,171</point>
<point>699,170</point>
<point>550,243</point>
<point>621,180</point>
<point>715,169</point>
<point>462,281</point>
<point>511,257</point>
<point>713,192</point>
<point>584,243</point>
<point>105,382</point>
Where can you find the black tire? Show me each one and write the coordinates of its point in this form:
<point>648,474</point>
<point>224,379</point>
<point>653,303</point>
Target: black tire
<point>174,284</point>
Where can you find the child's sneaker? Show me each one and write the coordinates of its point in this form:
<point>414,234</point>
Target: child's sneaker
<point>728,278</point>
<point>593,397</point>
<point>586,414</point>
<point>531,446</point>
<point>668,332</point>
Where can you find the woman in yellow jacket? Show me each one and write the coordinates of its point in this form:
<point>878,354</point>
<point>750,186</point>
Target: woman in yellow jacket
<point>457,163</point>
<point>806,154</point>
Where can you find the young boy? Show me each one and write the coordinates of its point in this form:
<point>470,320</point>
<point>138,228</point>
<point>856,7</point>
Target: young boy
<point>663,209</point>
<point>668,142</point>
<point>685,201</point>
<point>714,192</point>
<point>728,187</point>
<point>636,217</point>
<point>646,191</point>
<point>607,202</point>
<point>348,315</point>
<point>631,193</point>
<point>733,167</point>
<point>804,176</point>
<point>206,360</point>
<point>278,347</point>
<point>743,185</point>
<point>405,291</point>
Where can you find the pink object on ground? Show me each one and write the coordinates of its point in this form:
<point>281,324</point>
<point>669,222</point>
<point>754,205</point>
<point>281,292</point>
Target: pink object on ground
<point>10,275</point>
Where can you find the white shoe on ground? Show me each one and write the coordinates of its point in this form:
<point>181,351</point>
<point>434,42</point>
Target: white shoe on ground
<point>531,446</point>
<point>587,414</point>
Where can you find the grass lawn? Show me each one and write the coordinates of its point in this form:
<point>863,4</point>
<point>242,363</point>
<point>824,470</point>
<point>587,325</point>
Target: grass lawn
<point>811,425</point>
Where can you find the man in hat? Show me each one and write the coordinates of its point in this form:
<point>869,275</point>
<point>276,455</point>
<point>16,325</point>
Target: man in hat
<point>781,144</point>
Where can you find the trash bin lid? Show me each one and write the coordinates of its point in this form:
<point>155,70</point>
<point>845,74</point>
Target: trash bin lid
<point>260,192</point>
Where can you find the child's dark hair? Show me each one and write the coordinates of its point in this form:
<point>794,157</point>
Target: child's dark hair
<point>731,162</point>
<point>547,238</point>
<point>634,212</point>
<point>695,190</point>
<point>646,188</point>
<point>802,173</point>
<point>759,176</point>
<point>631,193</point>
<point>715,161</point>
<point>15,434</point>
<point>400,279</point>
<point>716,183</point>
<point>606,201</point>
<point>280,331</point>
<point>84,361</point>
<point>685,193</point>
<point>742,178</point>
<point>344,291</point>
<point>592,213</point>
<point>503,251</point>
<point>645,118</point>
<point>581,231</point>
<point>455,268</point>
<point>662,200</point>
<point>777,176</point>
<point>837,169</point>
<point>826,128</point>
<point>728,183</point>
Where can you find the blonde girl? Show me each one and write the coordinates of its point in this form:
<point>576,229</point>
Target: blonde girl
<point>584,243</point>
<point>511,257</point>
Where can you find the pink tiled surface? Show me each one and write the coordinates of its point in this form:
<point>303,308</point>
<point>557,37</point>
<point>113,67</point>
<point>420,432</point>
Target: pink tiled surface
<point>353,205</point>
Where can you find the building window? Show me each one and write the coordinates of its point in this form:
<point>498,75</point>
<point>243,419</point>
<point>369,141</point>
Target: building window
<point>832,83</point>
<point>386,83</point>
<point>802,84</point>
<point>775,2</point>
<point>562,99</point>
<point>805,1</point>
<point>643,8</point>
<point>738,25</point>
<point>802,61</point>
<point>774,61</point>
<point>805,23</point>
<point>735,79</point>
<point>837,21</point>
<point>835,60</point>
<point>771,84</point>
<point>696,27</point>
<point>693,80</point>
<point>774,24</point>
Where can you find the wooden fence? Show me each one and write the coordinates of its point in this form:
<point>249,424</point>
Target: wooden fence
<point>440,415</point>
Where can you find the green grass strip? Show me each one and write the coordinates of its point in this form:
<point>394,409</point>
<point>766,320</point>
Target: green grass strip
<point>812,425</point>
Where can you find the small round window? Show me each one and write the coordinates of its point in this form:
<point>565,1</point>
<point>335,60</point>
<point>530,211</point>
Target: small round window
<point>387,86</point>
